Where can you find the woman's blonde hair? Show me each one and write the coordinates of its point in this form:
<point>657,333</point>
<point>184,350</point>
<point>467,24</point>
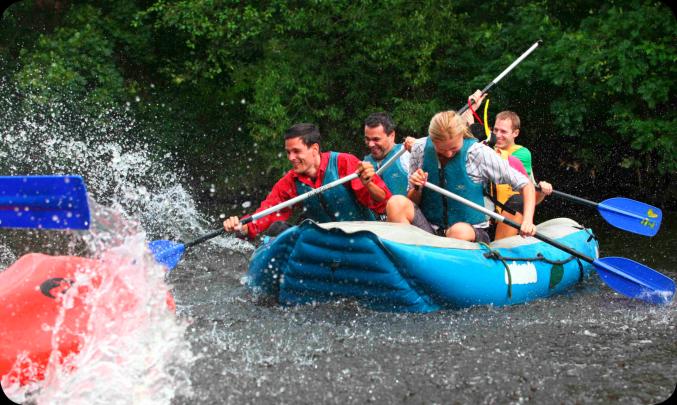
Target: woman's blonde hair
<point>447,125</point>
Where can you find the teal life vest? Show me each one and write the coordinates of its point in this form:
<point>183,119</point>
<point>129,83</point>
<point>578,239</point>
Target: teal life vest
<point>337,203</point>
<point>442,211</point>
<point>395,176</point>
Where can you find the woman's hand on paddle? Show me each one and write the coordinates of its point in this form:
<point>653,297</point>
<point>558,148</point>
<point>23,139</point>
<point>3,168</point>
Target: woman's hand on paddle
<point>546,188</point>
<point>418,179</point>
<point>232,224</point>
<point>527,229</point>
<point>409,143</point>
<point>366,172</point>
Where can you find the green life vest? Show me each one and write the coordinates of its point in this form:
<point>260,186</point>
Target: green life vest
<point>442,211</point>
<point>395,176</point>
<point>337,203</point>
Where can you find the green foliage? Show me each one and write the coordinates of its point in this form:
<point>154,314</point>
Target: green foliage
<point>72,63</point>
<point>212,35</point>
<point>218,81</point>
<point>615,74</point>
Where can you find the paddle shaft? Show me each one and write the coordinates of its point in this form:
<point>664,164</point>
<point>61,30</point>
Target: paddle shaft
<point>593,204</point>
<point>503,73</point>
<point>538,235</point>
<point>571,197</point>
<point>295,200</point>
<point>508,222</point>
<point>353,176</point>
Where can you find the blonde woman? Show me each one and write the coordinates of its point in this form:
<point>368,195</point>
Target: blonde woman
<point>451,158</point>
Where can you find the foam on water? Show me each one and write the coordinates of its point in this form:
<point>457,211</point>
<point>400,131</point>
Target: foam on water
<point>134,349</point>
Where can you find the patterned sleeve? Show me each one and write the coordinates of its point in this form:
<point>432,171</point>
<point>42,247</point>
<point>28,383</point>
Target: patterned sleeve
<point>484,165</point>
<point>416,158</point>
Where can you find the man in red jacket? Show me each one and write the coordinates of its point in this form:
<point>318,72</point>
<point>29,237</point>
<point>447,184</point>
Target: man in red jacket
<point>358,200</point>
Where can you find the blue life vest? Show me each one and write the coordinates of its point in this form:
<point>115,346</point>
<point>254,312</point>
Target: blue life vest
<point>337,203</point>
<point>442,211</point>
<point>395,176</point>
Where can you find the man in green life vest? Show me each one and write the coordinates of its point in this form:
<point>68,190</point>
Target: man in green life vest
<point>506,129</point>
<point>379,136</point>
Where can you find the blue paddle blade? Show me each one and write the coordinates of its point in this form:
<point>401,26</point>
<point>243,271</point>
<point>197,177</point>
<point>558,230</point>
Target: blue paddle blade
<point>43,202</point>
<point>167,253</point>
<point>635,280</point>
<point>631,215</point>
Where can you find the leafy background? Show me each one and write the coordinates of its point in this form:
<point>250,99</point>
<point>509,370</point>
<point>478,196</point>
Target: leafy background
<point>216,82</point>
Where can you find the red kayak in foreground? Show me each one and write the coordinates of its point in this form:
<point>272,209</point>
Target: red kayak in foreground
<point>45,306</point>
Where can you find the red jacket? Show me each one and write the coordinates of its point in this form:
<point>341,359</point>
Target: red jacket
<point>285,189</point>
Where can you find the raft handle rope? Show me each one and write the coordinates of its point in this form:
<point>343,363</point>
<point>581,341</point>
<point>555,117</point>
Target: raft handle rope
<point>588,231</point>
<point>496,255</point>
<point>507,268</point>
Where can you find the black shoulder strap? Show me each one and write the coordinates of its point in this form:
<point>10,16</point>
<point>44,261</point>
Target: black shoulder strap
<point>491,194</point>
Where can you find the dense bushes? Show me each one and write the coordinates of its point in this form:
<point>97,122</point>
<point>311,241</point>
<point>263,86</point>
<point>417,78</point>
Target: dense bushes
<point>218,81</point>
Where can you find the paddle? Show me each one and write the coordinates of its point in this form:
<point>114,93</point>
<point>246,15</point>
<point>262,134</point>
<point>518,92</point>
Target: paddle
<point>626,276</point>
<point>505,72</point>
<point>624,213</point>
<point>43,202</point>
<point>169,253</point>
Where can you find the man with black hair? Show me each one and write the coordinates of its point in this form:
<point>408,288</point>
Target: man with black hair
<point>357,200</point>
<point>379,136</point>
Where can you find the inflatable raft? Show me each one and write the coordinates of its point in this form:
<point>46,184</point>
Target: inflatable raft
<point>396,267</point>
<point>44,310</point>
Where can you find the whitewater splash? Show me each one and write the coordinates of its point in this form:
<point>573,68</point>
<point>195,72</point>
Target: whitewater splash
<point>138,352</point>
<point>132,347</point>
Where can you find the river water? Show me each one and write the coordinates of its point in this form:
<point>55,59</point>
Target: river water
<point>589,346</point>
<point>226,346</point>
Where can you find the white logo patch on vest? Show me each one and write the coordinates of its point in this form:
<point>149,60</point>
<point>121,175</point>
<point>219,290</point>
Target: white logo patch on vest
<point>521,273</point>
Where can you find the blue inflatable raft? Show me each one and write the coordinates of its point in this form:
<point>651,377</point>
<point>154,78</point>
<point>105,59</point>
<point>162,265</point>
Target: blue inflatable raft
<point>395,267</point>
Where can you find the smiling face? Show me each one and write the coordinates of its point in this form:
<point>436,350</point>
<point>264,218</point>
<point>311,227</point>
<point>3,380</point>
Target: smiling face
<point>378,142</point>
<point>448,148</point>
<point>304,159</point>
<point>505,134</point>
